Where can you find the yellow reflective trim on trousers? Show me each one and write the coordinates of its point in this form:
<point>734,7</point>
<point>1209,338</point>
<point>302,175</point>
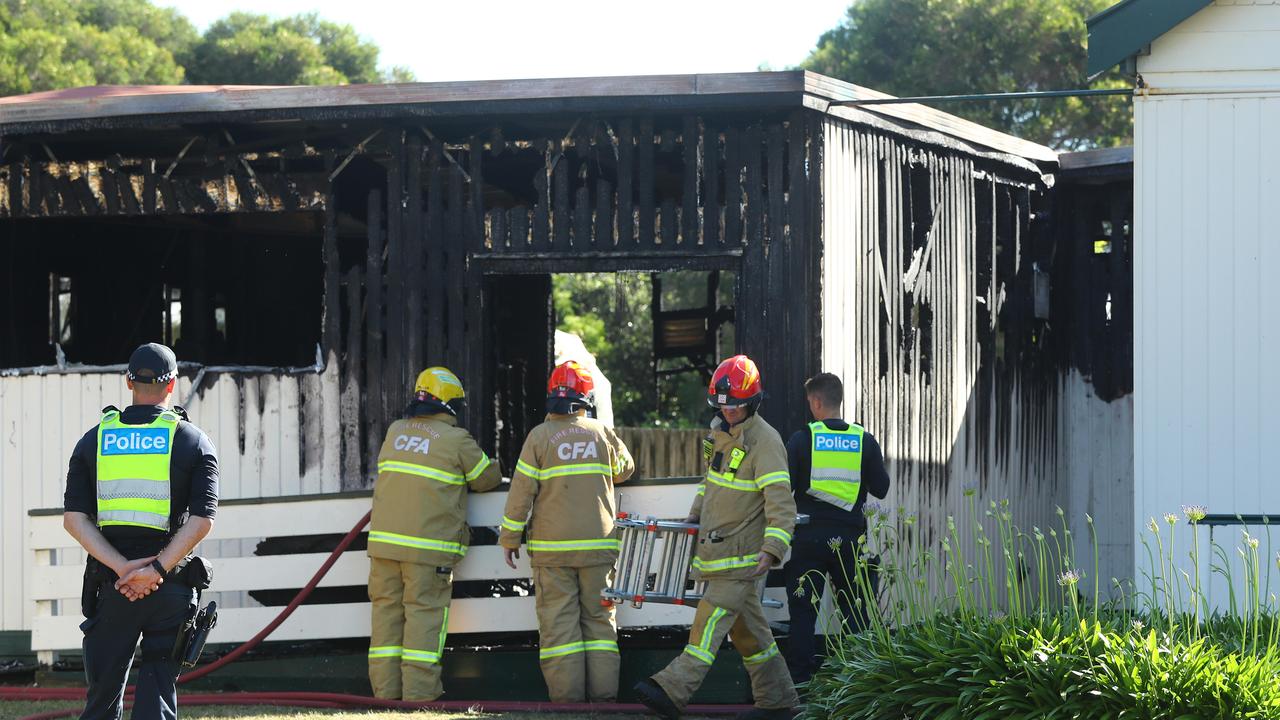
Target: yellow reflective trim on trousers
<point>513,525</point>
<point>574,648</point>
<point>727,481</point>
<point>444,630</point>
<point>767,479</point>
<point>386,651</point>
<point>574,545</point>
<point>479,468</point>
<point>577,469</point>
<point>416,542</point>
<point>761,656</point>
<point>701,654</point>
<point>729,563</point>
<point>421,471</point>
<point>702,489</point>
<point>779,534</point>
<point>709,629</point>
<point>556,651</point>
<point>702,650</point>
<point>529,470</point>
<point>422,656</point>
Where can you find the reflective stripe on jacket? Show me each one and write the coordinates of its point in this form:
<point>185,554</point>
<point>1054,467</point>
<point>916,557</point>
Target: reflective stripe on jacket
<point>133,471</point>
<point>744,505</point>
<point>562,493</point>
<point>835,459</point>
<point>425,467</point>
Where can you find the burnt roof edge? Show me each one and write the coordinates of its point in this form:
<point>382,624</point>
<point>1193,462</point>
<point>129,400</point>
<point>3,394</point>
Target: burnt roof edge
<point>701,92</point>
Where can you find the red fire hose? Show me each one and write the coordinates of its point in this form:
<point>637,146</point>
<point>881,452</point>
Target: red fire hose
<point>284,614</point>
<point>333,700</point>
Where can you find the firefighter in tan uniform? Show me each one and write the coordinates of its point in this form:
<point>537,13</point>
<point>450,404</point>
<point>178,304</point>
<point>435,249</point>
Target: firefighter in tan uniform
<point>565,477</point>
<point>418,534</point>
<point>747,515</point>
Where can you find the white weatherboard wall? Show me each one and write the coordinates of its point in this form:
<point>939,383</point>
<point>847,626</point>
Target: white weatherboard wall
<point>1095,462</point>
<point>1206,259</point>
<point>1229,44</point>
<point>276,435</point>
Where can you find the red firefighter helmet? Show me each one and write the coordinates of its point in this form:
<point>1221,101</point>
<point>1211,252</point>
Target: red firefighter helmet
<point>735,382</point>
<point>572,382</point>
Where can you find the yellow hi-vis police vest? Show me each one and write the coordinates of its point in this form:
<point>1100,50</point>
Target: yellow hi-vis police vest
<point>836,457</point>
<point>133,471</point>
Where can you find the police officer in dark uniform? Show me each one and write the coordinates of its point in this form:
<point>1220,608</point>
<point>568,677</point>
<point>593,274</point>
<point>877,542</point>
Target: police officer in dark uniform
<point>833,465</point>
<point>142,490</point>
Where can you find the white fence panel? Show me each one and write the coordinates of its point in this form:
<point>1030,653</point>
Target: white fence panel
<point>54,586</point>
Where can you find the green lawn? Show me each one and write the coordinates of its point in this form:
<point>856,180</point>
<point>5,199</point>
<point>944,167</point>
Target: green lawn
<point>14,710</point>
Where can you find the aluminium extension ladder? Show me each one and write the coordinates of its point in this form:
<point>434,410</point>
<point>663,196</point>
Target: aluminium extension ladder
<point>653,565</point>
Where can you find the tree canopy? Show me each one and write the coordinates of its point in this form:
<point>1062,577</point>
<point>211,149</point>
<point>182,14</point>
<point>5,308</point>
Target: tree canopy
<point>52,44</point>
<point>611,313</point>
<point>298,50</point>
<point>954,47</point>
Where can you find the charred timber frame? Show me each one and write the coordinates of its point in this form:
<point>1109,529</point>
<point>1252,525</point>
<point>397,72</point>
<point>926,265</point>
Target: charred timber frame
<point>229,182</point>
<point>449,209</point>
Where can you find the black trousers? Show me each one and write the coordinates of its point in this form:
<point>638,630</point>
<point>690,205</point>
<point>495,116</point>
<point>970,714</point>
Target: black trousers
<point>817,554</point>
<point>110,637</point>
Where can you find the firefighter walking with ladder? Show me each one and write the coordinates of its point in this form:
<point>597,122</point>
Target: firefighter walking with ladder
<point>747,516</point>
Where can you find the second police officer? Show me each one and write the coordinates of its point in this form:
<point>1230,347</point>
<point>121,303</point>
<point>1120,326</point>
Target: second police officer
<point>834,464</point>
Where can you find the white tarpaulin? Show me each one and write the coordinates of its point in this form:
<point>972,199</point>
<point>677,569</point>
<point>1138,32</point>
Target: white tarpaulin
<point>570,347</point>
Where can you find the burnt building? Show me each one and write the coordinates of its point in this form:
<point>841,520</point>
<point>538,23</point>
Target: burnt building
<point>308,249</point>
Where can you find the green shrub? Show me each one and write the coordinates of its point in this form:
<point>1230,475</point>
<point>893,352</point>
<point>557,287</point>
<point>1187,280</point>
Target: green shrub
<point>1018,632</point>
<point>1046,667</point>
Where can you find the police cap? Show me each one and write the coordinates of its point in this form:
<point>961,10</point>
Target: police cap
<point>152,363</point>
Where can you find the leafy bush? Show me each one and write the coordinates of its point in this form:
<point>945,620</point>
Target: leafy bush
<point>1013,632</point>
<point>1046,667</point>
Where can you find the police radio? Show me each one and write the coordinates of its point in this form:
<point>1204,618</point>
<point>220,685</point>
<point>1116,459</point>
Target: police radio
<point>192,635</point>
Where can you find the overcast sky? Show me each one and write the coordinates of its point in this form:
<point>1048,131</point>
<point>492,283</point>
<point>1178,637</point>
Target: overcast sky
<point>500,39</point>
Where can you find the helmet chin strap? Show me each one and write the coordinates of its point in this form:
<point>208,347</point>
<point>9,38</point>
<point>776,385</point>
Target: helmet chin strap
<point>569,406</point>
<point>430,406</point>
<point>750,409</point>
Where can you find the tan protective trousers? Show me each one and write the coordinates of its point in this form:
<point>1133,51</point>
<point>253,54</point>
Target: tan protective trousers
<point>731,607</point>
<point>577,634</point>
<point>410,622</point>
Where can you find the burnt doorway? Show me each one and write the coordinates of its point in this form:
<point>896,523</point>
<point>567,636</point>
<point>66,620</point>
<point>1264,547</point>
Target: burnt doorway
<point>521,332</point>
<point>654,334</point>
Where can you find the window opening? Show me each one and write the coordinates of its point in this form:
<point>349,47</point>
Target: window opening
<point>172,315</point>
<point>61,309</point>
<point>247,290</point>
<point>220,318</point>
